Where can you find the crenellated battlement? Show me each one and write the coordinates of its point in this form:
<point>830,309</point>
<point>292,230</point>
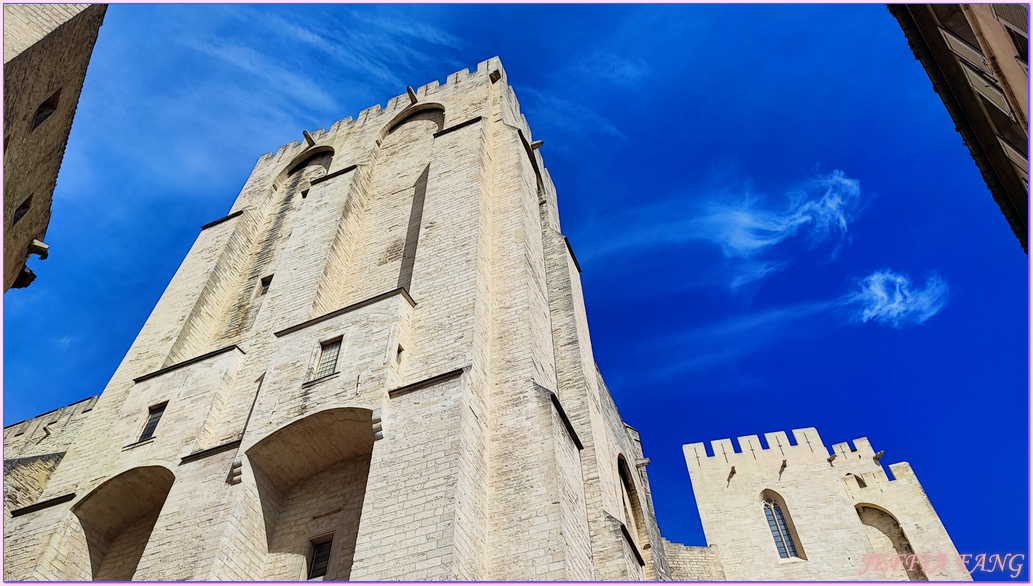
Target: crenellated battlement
<point>806,444</point>
<point>400,102</point>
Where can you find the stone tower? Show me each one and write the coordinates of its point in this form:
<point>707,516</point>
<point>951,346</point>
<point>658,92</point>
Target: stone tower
<point>791,511</point>
<point>375,367</point>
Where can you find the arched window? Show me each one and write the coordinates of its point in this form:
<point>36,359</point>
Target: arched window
<point>781,529</point>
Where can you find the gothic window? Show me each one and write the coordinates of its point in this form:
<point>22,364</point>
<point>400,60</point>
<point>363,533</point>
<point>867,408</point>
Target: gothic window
<point>779,529</point>
<point>264,288</point>
<point>152,422</point>
<point>320,559</point>
<point>328,358</point>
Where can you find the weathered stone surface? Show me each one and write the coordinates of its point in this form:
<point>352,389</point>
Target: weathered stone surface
<point>46,50</point>
<point>461,429</point>
<point>840,507</point>
<point>422,239</point>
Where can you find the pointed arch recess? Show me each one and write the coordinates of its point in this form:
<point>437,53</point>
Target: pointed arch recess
<point>117,518</point>
<point>311,477</point>
<point>886,536</point>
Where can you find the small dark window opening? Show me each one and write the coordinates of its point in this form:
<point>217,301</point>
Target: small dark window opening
<point>266,281</point>
<point>304,194</point>
<point>46,109</point>
<point>22,210</point>
<point>320,559</point>
<point>152,422</point>
<point>1021,45</point>
<point>398,356</point>
<point>328,358</point>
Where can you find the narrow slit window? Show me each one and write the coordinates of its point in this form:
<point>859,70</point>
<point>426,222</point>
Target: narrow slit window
<point>46,109</point>
<point>22,210</point>
<point>152,422</point>
<point>320,559</point>
<point>328,358</point>
<point>264,287</point>
<point>779,529</point>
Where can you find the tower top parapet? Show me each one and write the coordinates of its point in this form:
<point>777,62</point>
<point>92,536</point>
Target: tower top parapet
<point>806,444</point>
<point>490,69</point>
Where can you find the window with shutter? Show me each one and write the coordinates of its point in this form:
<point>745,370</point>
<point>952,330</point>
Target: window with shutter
<point>970,54</point>
<point>988,90</point>
<point>1013,16</point>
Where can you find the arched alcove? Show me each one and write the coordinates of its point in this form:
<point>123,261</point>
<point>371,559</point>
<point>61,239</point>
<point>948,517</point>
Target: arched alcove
<point>780,523</point>
<point>311,477</point>
<point>426,111</point>
<point>117,518</point>
<point>316,160</point>
<point>887,537</point>
<point>634,519</point>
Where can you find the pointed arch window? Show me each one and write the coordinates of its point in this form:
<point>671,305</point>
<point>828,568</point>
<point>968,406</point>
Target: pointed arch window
<point>780,529</point>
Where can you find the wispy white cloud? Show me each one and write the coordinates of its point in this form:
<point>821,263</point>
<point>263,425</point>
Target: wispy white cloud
<point>303,90</point>
<point>729,340</point>
<point>821,210</point>
<point>885,297</point>
<point>890,299</point>
<point>746,228</point>
<point>418,31</point>
<point>384,50</point>
<point>749,271</point>
<point>575,120</point>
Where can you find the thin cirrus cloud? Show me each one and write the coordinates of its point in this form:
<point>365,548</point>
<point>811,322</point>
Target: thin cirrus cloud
<point>571,119</point>
<point>889,298</point>
<point>379,50</point>
<point>821,210</point>
<point>746,230</point>
<point>884,297</point>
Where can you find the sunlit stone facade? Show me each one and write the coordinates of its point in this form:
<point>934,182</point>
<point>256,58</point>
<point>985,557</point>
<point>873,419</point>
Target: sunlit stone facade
<point>376,366</point>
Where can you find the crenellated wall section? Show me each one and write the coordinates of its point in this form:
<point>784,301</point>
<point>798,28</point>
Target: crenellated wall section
<point>839,508</point>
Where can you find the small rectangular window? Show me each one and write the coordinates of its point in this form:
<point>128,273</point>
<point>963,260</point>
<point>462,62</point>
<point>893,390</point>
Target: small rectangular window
<point>22,210</point>
<point>264,288</point>
<point>320,559</point>
<point>46,109</point>
<point>152,422</point>
<point>328,358</point>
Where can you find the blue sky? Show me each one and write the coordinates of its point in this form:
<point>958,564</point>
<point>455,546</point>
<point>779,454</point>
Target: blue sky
<point>778,225</point>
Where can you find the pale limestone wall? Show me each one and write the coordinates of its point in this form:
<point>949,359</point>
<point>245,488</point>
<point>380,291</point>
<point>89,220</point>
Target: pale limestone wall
<point>27,24</point>
<point>32,450</point>
<point>690,563</point>
<point>46,49</point>
<point>465,392</point>
<point>821,499</point>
